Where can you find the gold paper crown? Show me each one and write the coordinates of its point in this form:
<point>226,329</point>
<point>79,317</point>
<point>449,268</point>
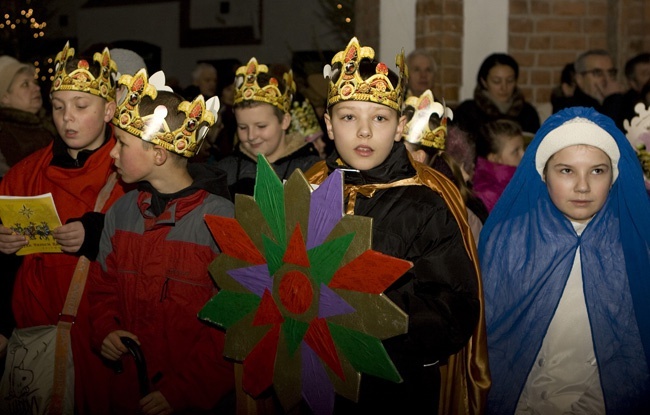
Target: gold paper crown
<point>346,83</point>
<point>247,87</point>
<point>186,139</point>
<point>418,129</point>
<point>304,120</point>
<point>81,79</point>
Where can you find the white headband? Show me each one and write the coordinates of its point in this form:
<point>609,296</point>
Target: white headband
<point>574,132</point>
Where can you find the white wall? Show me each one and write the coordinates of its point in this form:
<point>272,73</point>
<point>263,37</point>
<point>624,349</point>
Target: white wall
<point>396,29</point>
<point>485,31</point>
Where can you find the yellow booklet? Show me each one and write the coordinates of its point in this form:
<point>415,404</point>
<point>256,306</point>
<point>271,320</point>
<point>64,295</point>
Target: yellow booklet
<point>32,216</point>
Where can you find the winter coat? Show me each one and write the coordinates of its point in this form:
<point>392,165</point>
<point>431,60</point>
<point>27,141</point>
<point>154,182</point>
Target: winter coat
<point>43,279</point>
<point>472,114</point>
<point>490,180</point>
<point>22,133</point>
<point>614,106</point>
<point>241,168</point>
<point>440,293</point>
<point>154,279</point>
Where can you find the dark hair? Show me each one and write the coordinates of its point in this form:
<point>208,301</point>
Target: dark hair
<point>581,65</point>
<point>93,67</point>
<point>174,119</point>
<point>492,61</point>
<point>632,63</point>
<point>170,100</point>
<point>489,141</point>
<point>568,75</point>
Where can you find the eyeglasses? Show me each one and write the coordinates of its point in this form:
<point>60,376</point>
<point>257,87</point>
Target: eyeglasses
<point>600,73</point>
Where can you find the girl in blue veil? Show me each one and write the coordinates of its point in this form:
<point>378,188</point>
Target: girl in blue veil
<point>568,302</point>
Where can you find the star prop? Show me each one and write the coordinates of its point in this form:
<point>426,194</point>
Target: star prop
<point>301,292</point>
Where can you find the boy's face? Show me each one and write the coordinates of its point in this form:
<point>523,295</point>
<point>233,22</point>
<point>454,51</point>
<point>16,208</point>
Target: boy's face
<point>133,161</point>
<point>512,151</point>
<point>80,119</point>
<point>24,93</point>
<point>363,132</point>
<point>260,131</point>
<point>578,179</point>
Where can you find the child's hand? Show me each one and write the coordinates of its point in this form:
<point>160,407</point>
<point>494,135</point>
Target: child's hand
<point>10,242</point>
<point>155,404</point>
<point>70,236</point>
<point>112,346</point>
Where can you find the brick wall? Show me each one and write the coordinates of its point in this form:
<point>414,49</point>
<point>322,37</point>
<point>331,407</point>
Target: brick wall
<point>544,35</point>
<point>366,29</point>
<point>439,29</point>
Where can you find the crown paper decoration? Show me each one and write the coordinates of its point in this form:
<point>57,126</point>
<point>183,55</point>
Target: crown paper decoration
<point>638,134</point>
<point>81,79</point>
<point>186,139</point>
<point>418,130</point>
<point>346,83</point>
<point>248,88</point>
<point>304,120</point>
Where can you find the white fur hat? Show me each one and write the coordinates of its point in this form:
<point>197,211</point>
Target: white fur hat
<point>574,132</point>
<point>9,67</point>
<point>128,62</point>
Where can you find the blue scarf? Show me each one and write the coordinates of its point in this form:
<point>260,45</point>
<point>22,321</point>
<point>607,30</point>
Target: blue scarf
<point>527,248</point>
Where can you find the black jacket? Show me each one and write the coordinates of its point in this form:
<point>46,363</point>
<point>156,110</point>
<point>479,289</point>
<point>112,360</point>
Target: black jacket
<point>612,106</point>
<point>470,115</point>
<point>439,293</point>
<point>242,170</point>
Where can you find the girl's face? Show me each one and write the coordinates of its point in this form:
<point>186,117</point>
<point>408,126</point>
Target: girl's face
<point>24,93</point>
<point>500,83</point>
<point>511,153</point>
<point>578,179</point>
<point>260,131</point>
<point>80,119</point>
<point>364,132</point>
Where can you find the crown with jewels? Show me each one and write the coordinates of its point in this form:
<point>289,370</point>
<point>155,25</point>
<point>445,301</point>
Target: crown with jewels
<point>347,84</point>
<point>247,87</point>
<point>304,120</point>
<point>81,79</point>
<point>418,129</point>
<point>186,140</point>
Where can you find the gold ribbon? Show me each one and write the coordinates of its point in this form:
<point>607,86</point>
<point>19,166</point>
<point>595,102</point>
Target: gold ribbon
<point>351,191</point>
<point>465,379</point>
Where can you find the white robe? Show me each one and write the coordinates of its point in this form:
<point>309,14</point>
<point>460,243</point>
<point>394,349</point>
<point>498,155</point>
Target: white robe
<point>564,378</point>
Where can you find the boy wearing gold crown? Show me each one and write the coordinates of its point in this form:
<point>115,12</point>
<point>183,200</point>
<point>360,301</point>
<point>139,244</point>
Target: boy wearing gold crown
<point>429,228</point>
<point>75,168</point>
<point>155,251</point>
<point>262,111</point>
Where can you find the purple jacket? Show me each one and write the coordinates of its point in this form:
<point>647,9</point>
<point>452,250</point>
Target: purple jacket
<point>490,180</point>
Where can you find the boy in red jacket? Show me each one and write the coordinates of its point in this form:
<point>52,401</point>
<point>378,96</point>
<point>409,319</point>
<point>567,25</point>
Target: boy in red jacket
<point>74,168</point>
<point>155,251</point>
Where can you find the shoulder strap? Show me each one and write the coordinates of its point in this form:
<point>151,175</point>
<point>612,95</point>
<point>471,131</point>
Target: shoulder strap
<point>69,312</point>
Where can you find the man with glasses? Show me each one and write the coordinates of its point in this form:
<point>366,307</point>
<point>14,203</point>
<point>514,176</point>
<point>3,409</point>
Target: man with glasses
<point>596,85</point>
